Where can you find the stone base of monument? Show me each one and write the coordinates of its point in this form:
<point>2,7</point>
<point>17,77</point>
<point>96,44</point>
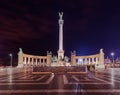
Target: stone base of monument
<point>60,69</point>
<point>57,64</point>
<point>60,63</point>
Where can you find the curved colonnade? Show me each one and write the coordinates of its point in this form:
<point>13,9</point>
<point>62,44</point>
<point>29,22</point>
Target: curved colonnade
<point>33,60</point>
<point>97,59</point>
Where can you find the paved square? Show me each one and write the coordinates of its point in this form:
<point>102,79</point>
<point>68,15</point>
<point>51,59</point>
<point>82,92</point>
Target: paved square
<point>18,81</point>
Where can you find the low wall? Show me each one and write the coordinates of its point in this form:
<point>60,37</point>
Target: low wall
<point>59,69</point>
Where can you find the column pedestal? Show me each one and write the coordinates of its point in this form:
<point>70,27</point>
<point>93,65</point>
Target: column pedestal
<point>60,54</point>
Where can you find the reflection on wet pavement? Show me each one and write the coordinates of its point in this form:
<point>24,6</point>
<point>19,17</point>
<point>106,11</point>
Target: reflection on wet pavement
<point>18,81</point>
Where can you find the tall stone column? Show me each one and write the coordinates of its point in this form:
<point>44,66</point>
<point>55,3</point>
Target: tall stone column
<point>61,51</point>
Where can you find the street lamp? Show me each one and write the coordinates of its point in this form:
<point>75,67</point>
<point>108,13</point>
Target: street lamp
<point>11,59</point>
<point>112,54</point>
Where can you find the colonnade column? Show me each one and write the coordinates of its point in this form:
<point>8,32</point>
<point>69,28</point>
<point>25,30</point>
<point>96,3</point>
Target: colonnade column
<point>96,60</point>
<point>40,60</point>
<point>89,61</point>
<point>28,60</point>
<point>25,61</point>
<point>85,61</point>
<point>43,61</point>
<point>92,60</point>
<point>35,61</point>
<point>32,61</point>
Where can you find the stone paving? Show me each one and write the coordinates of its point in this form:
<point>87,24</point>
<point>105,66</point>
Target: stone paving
<point>18,81</point>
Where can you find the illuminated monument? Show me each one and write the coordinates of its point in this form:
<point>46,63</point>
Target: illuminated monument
<point>61,51</point>
<point>97,60</point>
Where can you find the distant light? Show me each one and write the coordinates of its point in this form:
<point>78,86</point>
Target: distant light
<point>10,54</point>
<point>112,54</point>
<point>52,73</point>
<point>80,60</point>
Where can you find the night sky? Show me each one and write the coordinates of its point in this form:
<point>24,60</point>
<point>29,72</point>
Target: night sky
<point>89,25</point>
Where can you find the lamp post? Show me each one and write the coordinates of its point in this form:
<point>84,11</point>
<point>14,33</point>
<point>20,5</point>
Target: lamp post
<point>11,59</point>
<point>112,54</point>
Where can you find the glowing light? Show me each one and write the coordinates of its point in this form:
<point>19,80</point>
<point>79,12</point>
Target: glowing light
<point>112,54</point>
<point>80,61</point>
<point>10,54</point>
<point>10,59</point>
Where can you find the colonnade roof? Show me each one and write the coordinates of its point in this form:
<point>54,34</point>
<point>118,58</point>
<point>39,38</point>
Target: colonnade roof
<point>88,56</point>
<point>34,56</point>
